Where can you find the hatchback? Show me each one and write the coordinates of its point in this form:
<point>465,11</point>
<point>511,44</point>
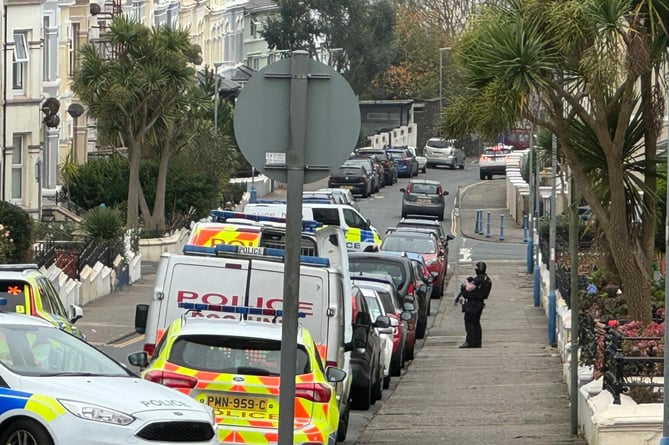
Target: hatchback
<point>352,177</point>
<point>386,160</point>
<point>423,197</point>
<point>405,162</point>
<point>493,161</point>
<point>440,151</point>
<point>376,309</point>
<point>372,169</point>
<point>406,281</point>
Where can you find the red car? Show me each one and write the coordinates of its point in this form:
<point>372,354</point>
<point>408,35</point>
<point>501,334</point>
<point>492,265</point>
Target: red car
<point>427,244</point>
<point>402,316</point>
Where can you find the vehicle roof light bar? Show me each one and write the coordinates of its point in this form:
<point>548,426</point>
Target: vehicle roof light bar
<point>221,216</point>
<point>260,252</point>
<point>240,310</point>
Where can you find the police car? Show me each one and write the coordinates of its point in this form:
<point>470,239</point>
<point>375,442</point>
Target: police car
<point>234,367</point>
<point>27,291</point>
<point>58,390</point>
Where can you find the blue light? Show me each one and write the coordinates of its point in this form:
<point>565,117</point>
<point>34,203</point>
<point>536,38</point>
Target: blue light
<point>240,310</point>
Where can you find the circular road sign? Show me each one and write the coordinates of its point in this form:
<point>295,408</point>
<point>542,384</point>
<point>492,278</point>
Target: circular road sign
<point>262,120</point>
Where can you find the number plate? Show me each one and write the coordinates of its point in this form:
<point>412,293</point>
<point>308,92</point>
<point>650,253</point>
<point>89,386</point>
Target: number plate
<point>424,200</point>
<point>256,404</point>
<point>346,187</point>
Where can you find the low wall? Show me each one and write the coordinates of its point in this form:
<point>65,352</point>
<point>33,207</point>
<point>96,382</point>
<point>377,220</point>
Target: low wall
<point>152,248</point>
<point>405,135</point>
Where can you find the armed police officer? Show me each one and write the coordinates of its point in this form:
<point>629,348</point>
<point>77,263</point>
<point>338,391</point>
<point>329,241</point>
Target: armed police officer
<point>473,294</point>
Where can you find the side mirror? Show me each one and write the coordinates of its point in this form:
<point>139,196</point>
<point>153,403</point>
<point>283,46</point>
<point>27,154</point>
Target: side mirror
<point>408,307</point>
<point>449,238</point>
<point>406,315</point>
<point>382,322</point>
<point>363,320</point>
<point>141,314</point>
<point>409,299</point>
<point>445,192</point>
<point>402,190</point>
<point>76,313</point>
<point>334,375</point>
<point>139,359</point>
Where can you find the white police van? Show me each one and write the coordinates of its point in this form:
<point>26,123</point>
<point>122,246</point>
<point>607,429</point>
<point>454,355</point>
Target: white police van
<point>360,235</point>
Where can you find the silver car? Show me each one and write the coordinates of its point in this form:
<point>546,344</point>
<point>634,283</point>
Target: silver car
<point>440,151</point>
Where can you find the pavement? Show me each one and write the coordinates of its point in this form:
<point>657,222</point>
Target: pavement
<point>509,392</point>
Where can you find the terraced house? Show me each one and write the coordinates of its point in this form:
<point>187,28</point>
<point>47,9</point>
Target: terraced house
<point>44,126</point>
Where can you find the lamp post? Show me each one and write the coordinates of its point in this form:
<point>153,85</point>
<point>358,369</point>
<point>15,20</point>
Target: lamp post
<point>75,110</point>
<point>441,78</point>
<point>665,412</point>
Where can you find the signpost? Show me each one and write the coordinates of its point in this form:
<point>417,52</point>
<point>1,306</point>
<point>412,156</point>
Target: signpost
<point>295,120</point>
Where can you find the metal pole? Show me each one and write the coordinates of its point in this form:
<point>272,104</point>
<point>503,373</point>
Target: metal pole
<point>501,227</point>
<point>665,416</point>
<point>441,80</point>
<point>216,98</point>
<point>38,179</point>
<point>551,261</point>
<point>530,213</point>
<point>299,68</point>
<point>574,306</point>
<point>537,250</point>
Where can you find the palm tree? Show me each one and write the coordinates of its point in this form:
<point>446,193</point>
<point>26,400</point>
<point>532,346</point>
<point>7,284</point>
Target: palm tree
<point>140,88</point>
<point>582,61</point>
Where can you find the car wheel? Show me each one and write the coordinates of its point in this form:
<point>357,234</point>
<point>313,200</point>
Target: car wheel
<point>424,168</point>
<point>416,172</point>
<point>342,428</point>
<point>362,397</point>
<point>440,217</point>
<point>490,177</point>
<point>437,292</point>
<point>25,432</point>
<point>410,352</point>
<point>481,176</point>
<point>376,190</point>
<point>377,389</point>
<point>462,164</point>
<point>421,326</point>
<point>397,364</point>
<point>386,381</point>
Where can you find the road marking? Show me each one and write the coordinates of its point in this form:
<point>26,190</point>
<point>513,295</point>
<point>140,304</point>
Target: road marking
<point>454,223</point>
<point>465,255</point>
<point>129,342</point>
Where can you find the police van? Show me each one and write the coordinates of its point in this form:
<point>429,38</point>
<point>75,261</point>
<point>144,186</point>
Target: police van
<point>361,236</point>
<point>252,276</point>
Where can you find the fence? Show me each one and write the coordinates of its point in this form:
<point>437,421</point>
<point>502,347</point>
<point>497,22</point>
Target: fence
<point>72,256</point>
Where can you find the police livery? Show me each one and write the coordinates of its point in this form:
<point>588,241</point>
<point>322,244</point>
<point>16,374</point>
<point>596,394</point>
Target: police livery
<point>58,390</point>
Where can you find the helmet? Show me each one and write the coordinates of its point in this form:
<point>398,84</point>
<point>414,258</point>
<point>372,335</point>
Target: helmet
<point>481,267</point>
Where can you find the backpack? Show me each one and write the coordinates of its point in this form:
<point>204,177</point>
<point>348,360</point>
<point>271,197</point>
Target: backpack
<point>486,287</point>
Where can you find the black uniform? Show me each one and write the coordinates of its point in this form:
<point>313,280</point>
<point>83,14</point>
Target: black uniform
<point>474,302</point>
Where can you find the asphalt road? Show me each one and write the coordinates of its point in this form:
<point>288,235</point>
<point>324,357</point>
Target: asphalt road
<point>384,210</point>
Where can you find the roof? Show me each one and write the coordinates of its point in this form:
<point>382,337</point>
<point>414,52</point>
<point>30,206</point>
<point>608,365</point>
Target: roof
<point>13,318</point>
<point>235,328</point>
<point>260,4</point>
<point>420,221</point>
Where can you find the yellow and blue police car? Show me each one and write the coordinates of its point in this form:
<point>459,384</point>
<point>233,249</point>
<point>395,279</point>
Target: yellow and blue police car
<point>59,390</point>
<point>234,367</point>
<point>27,291</point>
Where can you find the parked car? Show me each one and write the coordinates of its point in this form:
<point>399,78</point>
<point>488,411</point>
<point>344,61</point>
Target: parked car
<point>234,367</point>
<point>405,162</point>
<point>27,291</point>
<point>345,195</point>
<point>407,283</point>
<point>376,309</point>
<point>378,167</point>
<point>423,197</point>
<point>370,168</point>
<point>493,161</point>
<point>425,243</point>
<point>422,160</point>
<point>424,223</point>
<point>440,151</point>
<point>352,177</point>
<point>403,315</point>
<point>58,389</point>
<point>313,196</point>
<point>389,169</point>
<point>366,367</point>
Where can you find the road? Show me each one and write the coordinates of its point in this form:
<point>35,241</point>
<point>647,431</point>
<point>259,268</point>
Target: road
<point>384,210</point>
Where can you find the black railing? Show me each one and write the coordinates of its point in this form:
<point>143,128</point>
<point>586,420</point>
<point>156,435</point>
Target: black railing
<point>587,339</point>
<point>624,373</point>
<point>563,281</point>
<point>72,256</point>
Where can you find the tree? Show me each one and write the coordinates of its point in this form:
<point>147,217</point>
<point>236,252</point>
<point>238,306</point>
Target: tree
<point>140,86</point>
<point>573,68</point>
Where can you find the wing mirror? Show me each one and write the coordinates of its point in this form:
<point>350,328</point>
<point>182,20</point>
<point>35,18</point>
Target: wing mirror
<point>139,359</point>
<point>406,315</point>
<point>76,313</point>
<point>445,192</point>
<point>382,322</point>
<point>408,307</point>
<point>403,190</point>
<point>334,375</point>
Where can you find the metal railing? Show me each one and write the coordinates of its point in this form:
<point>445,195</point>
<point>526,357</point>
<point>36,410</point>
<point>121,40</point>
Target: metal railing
<point>624,373</point>
<point>72,256</point>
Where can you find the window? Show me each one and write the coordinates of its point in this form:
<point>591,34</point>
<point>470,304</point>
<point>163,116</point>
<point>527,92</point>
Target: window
<point>17,167</point>
<point>353,219</point>
<point>50,298</point>
<point>327,216</point>
<point>74,48</point>
<point>20,60</point>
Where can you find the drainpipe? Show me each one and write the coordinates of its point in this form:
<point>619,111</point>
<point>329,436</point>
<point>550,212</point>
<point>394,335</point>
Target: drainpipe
<point>3,161</point>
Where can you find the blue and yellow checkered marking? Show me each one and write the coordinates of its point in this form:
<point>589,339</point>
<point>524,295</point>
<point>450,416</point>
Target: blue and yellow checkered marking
<point>45,407</point>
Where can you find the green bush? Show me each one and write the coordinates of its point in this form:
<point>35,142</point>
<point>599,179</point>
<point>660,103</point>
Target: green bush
<point>20,226</point>
<point>103,224</point>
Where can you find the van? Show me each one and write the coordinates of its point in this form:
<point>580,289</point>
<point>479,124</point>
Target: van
<point>361,236</point>
<point>252,277</point>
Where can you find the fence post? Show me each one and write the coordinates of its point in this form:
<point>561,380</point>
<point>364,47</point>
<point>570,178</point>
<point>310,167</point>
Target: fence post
<point>487,227</point>
<point>501,227</point>
<point>525,224</point>
<point>476,222</point>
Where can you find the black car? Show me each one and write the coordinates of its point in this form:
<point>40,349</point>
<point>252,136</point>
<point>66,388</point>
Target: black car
<point>370,168</point>
<point>408,284</point>
<point>353,177</point>
<point>386,160</point>
<point>365,347</point>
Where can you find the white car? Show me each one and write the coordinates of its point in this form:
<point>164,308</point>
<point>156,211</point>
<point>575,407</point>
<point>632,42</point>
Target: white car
<point>376,309</point>
<point>422,160</point>
<point>59,390</point>
<point>440,151</point>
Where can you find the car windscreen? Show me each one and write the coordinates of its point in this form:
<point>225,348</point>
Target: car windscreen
<point>429,189</point>
<point>388,303</point>
<point>379,266</point>
<point>431,227</point>
<point>350,171</point>
<point>490,152</point>
<point>407,243</point>
<point>46,351</point>
<point>398,153</point>
<point>234,355</point>
<point>14,291</point>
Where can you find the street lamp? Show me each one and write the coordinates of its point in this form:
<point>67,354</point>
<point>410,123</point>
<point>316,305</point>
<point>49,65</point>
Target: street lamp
<point>441,76</point>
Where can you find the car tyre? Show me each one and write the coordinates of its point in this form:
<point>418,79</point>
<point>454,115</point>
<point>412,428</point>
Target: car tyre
<point>397,365</point>
<point>481,176</point>
<point>440,217</point>
<point>437,292</point>
<point>342,428</point>
<point>410,353</point>
<point>362,397</point>
<point>424,170</point>
<point>377,388</point>
<point>490,177</point>
<point>421,326</point>
<point>462,164</point>
<point>386,381</point>
<point>25,432</point>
